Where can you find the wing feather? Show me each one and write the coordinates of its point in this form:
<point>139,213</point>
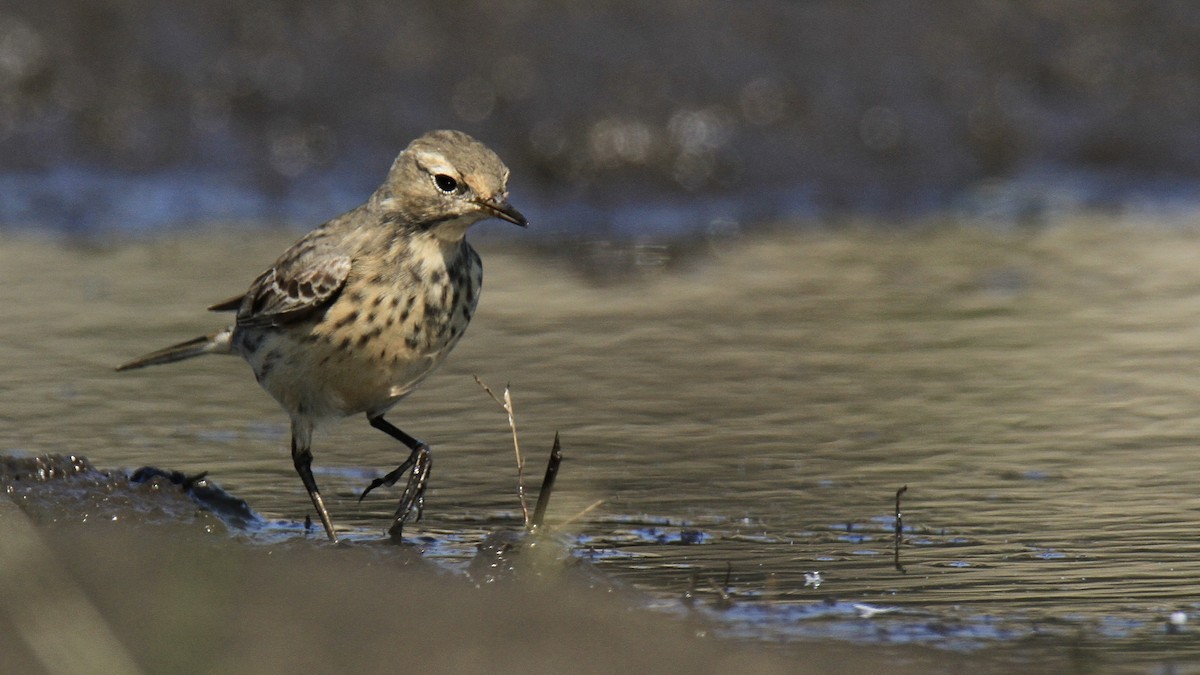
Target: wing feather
<point>305,280</point>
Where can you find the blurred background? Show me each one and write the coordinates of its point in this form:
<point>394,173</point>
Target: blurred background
<point>617,118</point>
<point>1013,334</point>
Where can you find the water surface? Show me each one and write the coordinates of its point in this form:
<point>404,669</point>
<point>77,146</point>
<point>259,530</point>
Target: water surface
<point>747,410</point>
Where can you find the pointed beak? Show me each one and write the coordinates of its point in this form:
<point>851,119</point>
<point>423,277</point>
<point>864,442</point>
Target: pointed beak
<point>504,211</point>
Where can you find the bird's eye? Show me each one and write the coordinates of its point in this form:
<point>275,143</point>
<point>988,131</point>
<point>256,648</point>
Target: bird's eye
<point>445,183</point>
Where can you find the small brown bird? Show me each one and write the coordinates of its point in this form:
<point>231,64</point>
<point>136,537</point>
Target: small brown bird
<point>359,311</point>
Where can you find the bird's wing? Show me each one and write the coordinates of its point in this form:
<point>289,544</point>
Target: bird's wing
<point>306,279</point>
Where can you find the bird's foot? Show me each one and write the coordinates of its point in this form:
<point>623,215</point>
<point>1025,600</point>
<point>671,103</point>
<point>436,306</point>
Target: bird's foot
<point>390,478</point>
<point>413,499</point>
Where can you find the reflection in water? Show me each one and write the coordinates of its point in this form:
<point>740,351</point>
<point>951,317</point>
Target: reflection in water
<point>755,410</point>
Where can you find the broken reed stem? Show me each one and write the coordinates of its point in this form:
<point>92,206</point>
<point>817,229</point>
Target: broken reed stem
<point>507,405</point>
<point>543,500</point>
<point>512,424</point>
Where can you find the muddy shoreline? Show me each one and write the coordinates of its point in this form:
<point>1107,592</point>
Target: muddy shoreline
<point>105,574</point>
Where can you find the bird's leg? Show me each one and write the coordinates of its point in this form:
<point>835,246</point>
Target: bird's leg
<point>419,460</point>
<point>302,459</point>
<point>415,446</point>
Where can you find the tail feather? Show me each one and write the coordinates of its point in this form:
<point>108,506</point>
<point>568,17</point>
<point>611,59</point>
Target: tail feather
<point>216,343</point>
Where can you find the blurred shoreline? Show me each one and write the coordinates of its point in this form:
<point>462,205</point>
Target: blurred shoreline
<point>617,119</point>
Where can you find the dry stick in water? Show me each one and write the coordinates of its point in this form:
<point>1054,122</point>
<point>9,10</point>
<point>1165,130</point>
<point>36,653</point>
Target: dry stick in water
<point>539,509</point>
<point>551,469</point>
<point>507,405</point>
<point>543,501</point>
<point>899,529</point>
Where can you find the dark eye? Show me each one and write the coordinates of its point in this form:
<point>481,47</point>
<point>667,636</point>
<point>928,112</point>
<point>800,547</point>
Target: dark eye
<point>445,183</point>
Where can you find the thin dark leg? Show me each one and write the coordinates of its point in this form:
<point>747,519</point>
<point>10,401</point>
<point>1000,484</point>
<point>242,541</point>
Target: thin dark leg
<point>415,447</point>
<point>419,460</point>
<point>302,459</point>
<point>395,432</point>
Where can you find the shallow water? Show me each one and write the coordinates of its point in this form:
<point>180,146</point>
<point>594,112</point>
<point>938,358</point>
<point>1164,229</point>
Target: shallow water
<point>750,408</point>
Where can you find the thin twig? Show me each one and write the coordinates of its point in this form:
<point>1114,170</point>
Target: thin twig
<point>507,405</point>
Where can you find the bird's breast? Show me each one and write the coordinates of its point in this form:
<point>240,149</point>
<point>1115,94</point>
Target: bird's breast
<point>392,324</point>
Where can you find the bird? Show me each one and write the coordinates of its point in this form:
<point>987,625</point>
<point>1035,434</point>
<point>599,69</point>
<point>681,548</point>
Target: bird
<point>358,312</point>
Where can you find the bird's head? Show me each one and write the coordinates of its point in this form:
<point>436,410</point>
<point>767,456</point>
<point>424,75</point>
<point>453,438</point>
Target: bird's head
<point>444,182</point>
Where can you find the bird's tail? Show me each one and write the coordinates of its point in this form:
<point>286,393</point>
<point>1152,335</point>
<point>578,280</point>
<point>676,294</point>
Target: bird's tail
<point>217,343</point>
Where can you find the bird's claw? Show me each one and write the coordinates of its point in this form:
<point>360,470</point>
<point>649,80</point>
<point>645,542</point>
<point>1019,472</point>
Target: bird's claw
<point>390,478</point>
<point>413,498</point>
